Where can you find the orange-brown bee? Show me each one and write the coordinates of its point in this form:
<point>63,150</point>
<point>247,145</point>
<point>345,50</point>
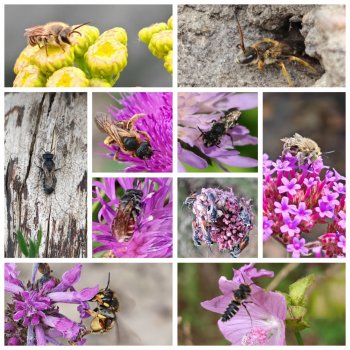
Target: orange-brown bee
<point>136,143</point>
<point>123,225</point>
<point>52,33</point>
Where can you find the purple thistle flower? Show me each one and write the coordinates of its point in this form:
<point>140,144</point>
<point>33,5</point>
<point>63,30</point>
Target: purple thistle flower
<point>32,317</point>
<point>297,248</point>
<point>198,111</point>
<point>264,325</point>
<point>300,201</point>
<point>157,123</point>
<point>152,235</point>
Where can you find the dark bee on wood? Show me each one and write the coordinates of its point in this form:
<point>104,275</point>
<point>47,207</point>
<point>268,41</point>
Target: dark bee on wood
<point>123,225</point>
<point>52,33</point>
<point>220,128</point>
<point>48,169</point>
<point>136,143</point>
<point>104,315</point>
<point>240,296</point>
<point>269,51</point>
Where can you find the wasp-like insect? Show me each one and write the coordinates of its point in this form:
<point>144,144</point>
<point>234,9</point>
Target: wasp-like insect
<point>48,169</point>
<point>303,148</point>
<point>105,314</point>
<point>268,51</point>
<point>52,33</point>
<point>123,225</point>
<point>240,299</point>
<point>220,128</point>
<point>136,143</point>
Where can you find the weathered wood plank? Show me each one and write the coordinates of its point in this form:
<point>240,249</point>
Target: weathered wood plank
<point>35,123</point>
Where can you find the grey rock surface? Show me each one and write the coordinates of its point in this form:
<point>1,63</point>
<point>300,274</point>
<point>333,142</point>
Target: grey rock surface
<point>208,38</point>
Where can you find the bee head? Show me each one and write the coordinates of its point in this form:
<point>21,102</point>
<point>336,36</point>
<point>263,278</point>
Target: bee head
<point>144,151</point>
<point>248,56</point>
<point>64,35</point>
<point>48,156</point>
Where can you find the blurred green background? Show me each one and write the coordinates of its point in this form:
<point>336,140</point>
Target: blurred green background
<point>242,187</point>
<point>326,301</point>
<point>249,119</point>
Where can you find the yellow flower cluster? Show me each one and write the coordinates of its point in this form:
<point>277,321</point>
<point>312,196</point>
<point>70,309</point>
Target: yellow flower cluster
<point>159,38</point>
<point>91,60</point>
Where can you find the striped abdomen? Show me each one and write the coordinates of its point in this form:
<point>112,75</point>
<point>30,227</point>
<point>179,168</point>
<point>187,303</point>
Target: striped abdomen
<point>231,310</point>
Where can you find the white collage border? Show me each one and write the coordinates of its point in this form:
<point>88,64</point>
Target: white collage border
<point>175,175</point>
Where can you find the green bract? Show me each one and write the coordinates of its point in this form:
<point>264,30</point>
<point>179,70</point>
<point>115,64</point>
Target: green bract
<point>91,60</point>
<point>159,38</point>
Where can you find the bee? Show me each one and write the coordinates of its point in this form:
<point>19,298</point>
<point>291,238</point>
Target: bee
<point>123,225</point>
<point>240,299</point>
<point>303,148</point>
<point>220,128</point>
<point>48,169</point>
<point>238,248</point>
<point>136,143</point>
<point>105,314</point>
<point>213,213</point>
<point>268,51</point>
<point>52,33</point>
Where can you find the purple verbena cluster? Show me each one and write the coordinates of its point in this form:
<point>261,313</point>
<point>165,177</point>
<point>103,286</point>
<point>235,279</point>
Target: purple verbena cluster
<point>301,201</point>
<point>221,217</point>
<point>32,315</point>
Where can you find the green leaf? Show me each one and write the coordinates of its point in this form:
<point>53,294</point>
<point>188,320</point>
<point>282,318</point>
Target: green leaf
<point>295,318</point>
<point>38,241</point>
<point>22,243</point>
<point>298,289</point>
<point>32,249</point>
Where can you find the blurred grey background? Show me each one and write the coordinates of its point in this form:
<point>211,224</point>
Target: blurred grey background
<point>316,115</point>
<point>143,68</point>
<point>144,292</point>
<point>242,187</point>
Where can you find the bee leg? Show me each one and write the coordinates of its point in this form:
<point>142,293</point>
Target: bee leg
<point>116,155</point>
<point>260,64</point>
<point>246,309</point>
<point>109,141</point>
<point>133,119</point>
<point>146,135</point>
<point>303,62</point>
<point>230,136</point>
<point>285,73</point>
<point>59,44</point>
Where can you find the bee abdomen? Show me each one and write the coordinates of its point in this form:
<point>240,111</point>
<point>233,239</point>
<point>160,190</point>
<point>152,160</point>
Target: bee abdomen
<point>231,310</point>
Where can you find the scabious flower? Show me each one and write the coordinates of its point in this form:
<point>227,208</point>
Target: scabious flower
<point>198,111</point>
<point>157,123</point>
<point>261,321</point>
<point>220,217</point>
<point>159,38</point>
<point>301,200</point>
<point>152,236</point>
<point>90,60</point>
<point>33,317</point>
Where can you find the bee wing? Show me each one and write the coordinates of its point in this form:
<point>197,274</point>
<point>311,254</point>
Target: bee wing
<point>105,123</point>
<point>121,221</point>
<point>36,31</point>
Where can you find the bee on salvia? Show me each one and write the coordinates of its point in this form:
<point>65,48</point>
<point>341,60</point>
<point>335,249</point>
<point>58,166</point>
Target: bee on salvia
<point>303,148</point>
<point>123,133</point>
<point>123,225</point>
<point>52,33</point>
<point>220,128</point>
<point>268,51</point>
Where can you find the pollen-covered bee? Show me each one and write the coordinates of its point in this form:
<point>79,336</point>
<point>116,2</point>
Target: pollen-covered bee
<point>269,51</point>
<point>303,148</point>
<point>220,128</point>
<point>52,33</point>
<point>136,143</point>
<point>104,315</point>
<point>123,225</point>
<point>240,296</point>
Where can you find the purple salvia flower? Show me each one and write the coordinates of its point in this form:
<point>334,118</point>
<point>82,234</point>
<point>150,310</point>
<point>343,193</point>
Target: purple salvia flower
<point>198,111</point>
<point>301,213</point>
<point>267,224</point>
<point>157,123</point>
<point>32,316</point>
<point>280,165</point>
<point>290,226</point>
<point>297,248</point>
<point>290,187</point>
<point>264,325</point>
<point>284,207</point>
<point>325,209</point>
<point>152,236</point>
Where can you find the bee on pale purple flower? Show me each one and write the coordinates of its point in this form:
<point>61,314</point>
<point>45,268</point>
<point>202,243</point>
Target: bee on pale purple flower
<point>213,127</point>
<point>132,218</point>
<point>32,313</point>
<point>139,130</point>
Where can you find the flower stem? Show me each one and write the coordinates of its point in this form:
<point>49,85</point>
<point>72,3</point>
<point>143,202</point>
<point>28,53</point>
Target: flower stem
<point>298,338</point>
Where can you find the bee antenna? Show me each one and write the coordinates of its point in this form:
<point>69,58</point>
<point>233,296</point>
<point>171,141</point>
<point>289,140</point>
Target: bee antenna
<point>109,278</point>
<point>328,152</point>
<point>78,26</point>
<point>241,45</point>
